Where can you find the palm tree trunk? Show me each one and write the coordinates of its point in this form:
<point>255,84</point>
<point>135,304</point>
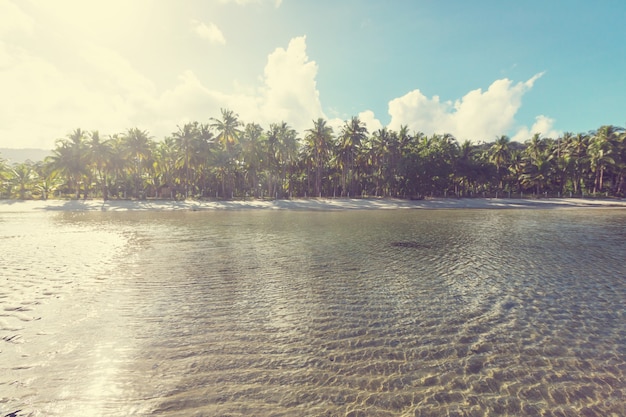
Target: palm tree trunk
<point>601,184</point>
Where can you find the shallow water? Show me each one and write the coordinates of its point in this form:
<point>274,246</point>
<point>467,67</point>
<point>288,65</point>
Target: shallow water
<point>293,313</point>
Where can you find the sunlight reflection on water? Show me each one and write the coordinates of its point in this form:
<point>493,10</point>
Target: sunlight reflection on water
<point>328,313</point>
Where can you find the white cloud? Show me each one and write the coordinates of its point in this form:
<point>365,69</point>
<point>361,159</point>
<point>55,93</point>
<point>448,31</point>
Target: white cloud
<point>106,92</point>
<point>290,90</point>
<point>366,117</point>
<point>543,125</point>
<point>98,88</point>
<point>371,122</point>
<point>51,101</point>
<point>209,32</point>
<point>476,116</point>
<point>288,93</point>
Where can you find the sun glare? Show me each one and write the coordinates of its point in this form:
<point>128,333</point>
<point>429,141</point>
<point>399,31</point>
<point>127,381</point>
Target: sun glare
<point>101,21</point>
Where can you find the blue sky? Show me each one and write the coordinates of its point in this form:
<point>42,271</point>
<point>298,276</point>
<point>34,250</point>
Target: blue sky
<point>474,69</point>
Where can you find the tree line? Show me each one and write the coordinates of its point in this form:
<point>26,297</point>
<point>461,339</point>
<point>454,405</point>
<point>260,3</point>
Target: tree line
<point>226,158</point>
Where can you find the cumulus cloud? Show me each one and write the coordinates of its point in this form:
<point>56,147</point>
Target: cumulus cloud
<point>209,32</point>
<point>290,90</point>
<point>101,89</point>
<point>543,125</point>
<point>479,115</point>
<point>367,117</point>
<point>52,101</point>
<point>370,120</point>
<point>106,92</point>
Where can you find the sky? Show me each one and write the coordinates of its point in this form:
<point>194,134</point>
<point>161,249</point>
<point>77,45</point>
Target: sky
<point>477,70</point>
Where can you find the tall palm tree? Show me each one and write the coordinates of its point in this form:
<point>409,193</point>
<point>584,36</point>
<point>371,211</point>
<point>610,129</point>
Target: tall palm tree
<point>118,167</point>
<point>272,156</point>
<point>228,136</point>
<point>319,141</point>
<point>221,166</point>
<point>286,153</point>
<point>138,145</point>
<point>165,158</point>
<point>535,146</point>
<point>253,153</point>
<point>576,150</point>
<point>467,167</point>
<point>228,129</point>
<point>620,162</point>
<point>601,150</point>
<point>516,167</point>
<point>537,172</point>
<point>185,140</point>
<point>353,135</point>
<point>500,154</point>
<point>99,154</point>
<point>380,149</point>
<point>69,159</point>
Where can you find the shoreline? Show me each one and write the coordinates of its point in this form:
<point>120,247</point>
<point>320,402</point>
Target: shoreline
<point>313,204</point>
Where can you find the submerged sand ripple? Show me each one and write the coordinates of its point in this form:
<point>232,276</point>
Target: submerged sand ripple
<point>294,314</point>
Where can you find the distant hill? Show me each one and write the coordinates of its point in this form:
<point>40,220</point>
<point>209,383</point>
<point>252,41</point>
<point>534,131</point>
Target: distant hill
<point>17,156</point>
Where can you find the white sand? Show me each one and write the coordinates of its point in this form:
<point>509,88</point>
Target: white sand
<point>308,204</point>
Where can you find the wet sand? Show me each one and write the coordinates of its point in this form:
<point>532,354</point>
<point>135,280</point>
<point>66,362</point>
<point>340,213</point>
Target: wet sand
<point>309,204</point>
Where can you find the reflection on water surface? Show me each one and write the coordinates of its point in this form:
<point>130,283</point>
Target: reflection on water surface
<point>375,313</point>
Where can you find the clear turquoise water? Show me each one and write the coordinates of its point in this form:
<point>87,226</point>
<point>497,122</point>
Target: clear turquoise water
<point>295,313</point>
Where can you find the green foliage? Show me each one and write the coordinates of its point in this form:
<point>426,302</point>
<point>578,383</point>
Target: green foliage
<point>226,158</point>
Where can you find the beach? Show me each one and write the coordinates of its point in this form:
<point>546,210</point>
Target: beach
<point>308,204</point>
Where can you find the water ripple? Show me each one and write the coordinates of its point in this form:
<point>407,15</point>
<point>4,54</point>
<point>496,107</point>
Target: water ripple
<point>459,313</point>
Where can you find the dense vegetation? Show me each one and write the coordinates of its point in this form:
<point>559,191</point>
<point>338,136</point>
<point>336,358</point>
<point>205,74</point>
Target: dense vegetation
<point>226,158</point>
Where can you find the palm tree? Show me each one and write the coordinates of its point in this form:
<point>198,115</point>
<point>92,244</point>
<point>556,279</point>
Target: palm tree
<point>22,179</point>
<point>601,151</point>
<point>535,146</point>
<point>165,157</point>
<point>228,136</point>
<point>467,167</point>
<point>185,140</point>
<point>138,145</point>
<point>253,153</point>
<point>47,180</point>
<point>620,162</point>
<point>221,166</point>
<point>516,167</point>
<point>272,156</point>
<point>575,149</point>
<point>319,143</point>
<point>379,158</point>
<point>500,154</point>
<point>228,130</point>
<point>99,154</point>
<point>537,172</point>
<point>286,153</point>
<point>69,159</point>
<point>118,168</point>
<point>4,175</point>
<point>353,134</point>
